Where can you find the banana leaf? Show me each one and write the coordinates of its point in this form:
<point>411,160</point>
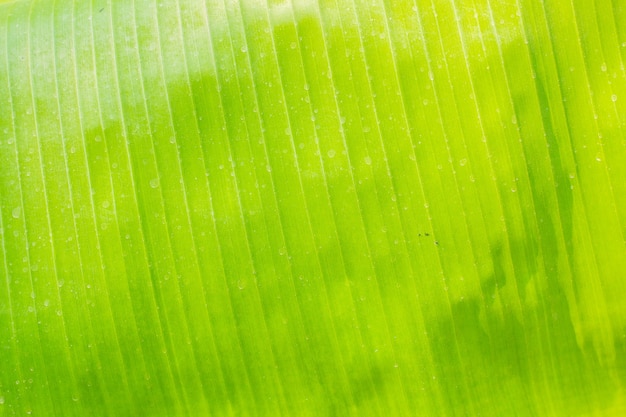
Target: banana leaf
<point>312,208</point>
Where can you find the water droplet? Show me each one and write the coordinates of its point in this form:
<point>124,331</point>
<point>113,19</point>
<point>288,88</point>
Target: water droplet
<point>244,49</point>
<point>514,119</point>
<point>154,182</point>
<point>332,153</point>
<point>105,204</point>
<point>241,284</point>
<point>425,102</point>
<point>603,67</point>
<point>368,160</point>
<point>17,212</point>
<point>462,162</point>
<point>614,98</point>
<point>1,400</point>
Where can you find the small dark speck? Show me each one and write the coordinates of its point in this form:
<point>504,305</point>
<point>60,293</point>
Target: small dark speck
<point>101,10</point>
<point>419,234</point>
<point>436,242</point>
<point>426,234</point>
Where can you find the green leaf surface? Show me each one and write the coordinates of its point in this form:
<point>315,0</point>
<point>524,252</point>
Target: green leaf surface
<point>312,208</point>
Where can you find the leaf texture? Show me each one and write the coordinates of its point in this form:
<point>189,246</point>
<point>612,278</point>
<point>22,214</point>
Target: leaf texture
<point>312,208</point>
